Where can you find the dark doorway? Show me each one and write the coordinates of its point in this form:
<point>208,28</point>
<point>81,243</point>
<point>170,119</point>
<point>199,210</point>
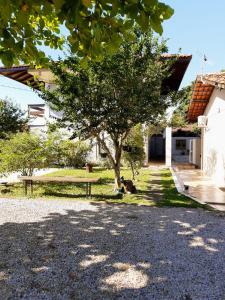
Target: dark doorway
<point>156,148</point>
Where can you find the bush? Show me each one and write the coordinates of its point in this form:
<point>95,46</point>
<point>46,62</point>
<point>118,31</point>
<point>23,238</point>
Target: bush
<point>61,151</point>
<point>75,154</point>
<point>23,152</point>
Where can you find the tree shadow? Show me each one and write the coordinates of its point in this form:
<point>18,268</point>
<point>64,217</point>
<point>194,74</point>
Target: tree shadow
<point>94,251</point>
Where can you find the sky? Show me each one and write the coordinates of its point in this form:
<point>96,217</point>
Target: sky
<point>197,27</point>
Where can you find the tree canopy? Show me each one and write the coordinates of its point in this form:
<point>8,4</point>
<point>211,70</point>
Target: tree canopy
<point>107,99</point>
<point>12,118</point>
<point>179,117</point>
<point>92,27</point>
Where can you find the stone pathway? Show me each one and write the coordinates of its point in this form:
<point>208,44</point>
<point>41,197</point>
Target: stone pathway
<point>68,249</point>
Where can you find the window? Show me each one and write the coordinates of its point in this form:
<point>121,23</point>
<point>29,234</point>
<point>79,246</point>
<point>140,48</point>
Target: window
<point>180,144</point>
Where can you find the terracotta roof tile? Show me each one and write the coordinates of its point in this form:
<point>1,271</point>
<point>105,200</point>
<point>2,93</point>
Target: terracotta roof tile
<point>202,92</point>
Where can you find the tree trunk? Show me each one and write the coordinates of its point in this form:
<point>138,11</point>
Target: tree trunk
<point>114,160</point>
<point>117,176</point>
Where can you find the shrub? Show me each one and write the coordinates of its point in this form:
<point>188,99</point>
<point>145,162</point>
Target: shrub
<point>23,153</point>
<point>75,153</point>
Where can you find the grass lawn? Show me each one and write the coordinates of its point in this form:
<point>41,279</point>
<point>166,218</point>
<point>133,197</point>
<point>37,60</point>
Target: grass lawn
<point>155,188</point>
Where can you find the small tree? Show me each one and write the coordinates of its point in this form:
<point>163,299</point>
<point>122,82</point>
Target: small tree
<point>110,97</point>
<point>12,119</point>
<point>23,153</point>
<point>134,155</point>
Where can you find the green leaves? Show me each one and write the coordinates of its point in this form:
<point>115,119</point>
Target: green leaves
<point>11,118</point>
<point>23,152</point>
<point>95,28</point>
<point>112,94</point>
<point>7,57</point>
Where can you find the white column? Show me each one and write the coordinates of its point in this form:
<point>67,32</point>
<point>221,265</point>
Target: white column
<point>168,135</point>
<point>203,164</point>
<point>146,146</point>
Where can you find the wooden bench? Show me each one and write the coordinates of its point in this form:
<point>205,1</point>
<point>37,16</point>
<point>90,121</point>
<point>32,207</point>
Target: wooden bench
<point>30,180</point>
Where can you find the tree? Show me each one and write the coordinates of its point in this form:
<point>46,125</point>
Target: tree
<point>179,117</point>
<point>23,153</point>
<point>107,99</point>
<point>12,119</point>
<point>92,26</point>
<point>134,155</point>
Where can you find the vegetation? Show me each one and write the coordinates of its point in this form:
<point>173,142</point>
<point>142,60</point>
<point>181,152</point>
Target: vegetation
<point>12,119</point>
<point>163,194</point>
<point>170,195</point>
<point>61,151</point>
<point>75,153</point>
<point>179,118</point>
<point>134,155</point>
<point>102,100</point>
<point>92,27</point>
<point>22,153</point>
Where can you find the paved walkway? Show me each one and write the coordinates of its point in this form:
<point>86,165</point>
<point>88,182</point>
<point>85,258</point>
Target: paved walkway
<point>202,188</point>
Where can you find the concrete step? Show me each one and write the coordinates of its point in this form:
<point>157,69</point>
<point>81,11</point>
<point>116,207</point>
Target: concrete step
<point>185,166</point>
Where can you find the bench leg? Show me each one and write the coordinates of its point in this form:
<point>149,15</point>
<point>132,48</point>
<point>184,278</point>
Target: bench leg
<point>25,187</point>
<point>90,190</point>
<point>31,187</point>
<point>87,190</point>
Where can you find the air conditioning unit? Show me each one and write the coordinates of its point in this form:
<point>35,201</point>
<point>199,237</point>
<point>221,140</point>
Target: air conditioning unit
<point>202,121</point>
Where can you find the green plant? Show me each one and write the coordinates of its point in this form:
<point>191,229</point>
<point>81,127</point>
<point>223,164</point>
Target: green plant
<point>110,97</point>
<point>92,27</point>
<point>23,153</point>
<point>135,157</point>
<point>74,154</point>
<point>12,118</point>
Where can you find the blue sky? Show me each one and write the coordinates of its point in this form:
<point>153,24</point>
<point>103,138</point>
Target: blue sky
<point>197,27</point>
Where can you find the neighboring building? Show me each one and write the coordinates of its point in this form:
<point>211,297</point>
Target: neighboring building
<point>41,115</point>
<point>208,100</point>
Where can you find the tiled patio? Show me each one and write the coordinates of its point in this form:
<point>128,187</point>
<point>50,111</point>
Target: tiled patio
<point>202,188</point>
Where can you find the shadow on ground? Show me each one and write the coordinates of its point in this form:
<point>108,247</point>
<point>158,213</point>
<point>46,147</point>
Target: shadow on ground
<point>99,251</point>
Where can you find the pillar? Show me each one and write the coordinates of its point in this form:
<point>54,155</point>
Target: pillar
<point>168,136</point>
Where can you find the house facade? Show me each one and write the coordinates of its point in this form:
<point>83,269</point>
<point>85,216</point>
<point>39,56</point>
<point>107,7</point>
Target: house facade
<point>208,104</point>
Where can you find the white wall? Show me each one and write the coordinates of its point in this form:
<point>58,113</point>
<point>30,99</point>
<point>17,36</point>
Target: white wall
<point>214,138</point>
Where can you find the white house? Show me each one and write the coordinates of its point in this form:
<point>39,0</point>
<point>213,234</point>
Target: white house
<point>208,101</point>
<point>41,114</point>
<point>185,147</point>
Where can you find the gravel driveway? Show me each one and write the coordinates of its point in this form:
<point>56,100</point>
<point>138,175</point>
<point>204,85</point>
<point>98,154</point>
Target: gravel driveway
<point>59,249</point>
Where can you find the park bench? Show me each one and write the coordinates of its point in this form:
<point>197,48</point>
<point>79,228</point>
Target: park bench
<point>30,180</point>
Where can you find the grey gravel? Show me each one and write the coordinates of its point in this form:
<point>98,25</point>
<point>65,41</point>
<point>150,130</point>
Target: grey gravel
<point>59,249</point>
